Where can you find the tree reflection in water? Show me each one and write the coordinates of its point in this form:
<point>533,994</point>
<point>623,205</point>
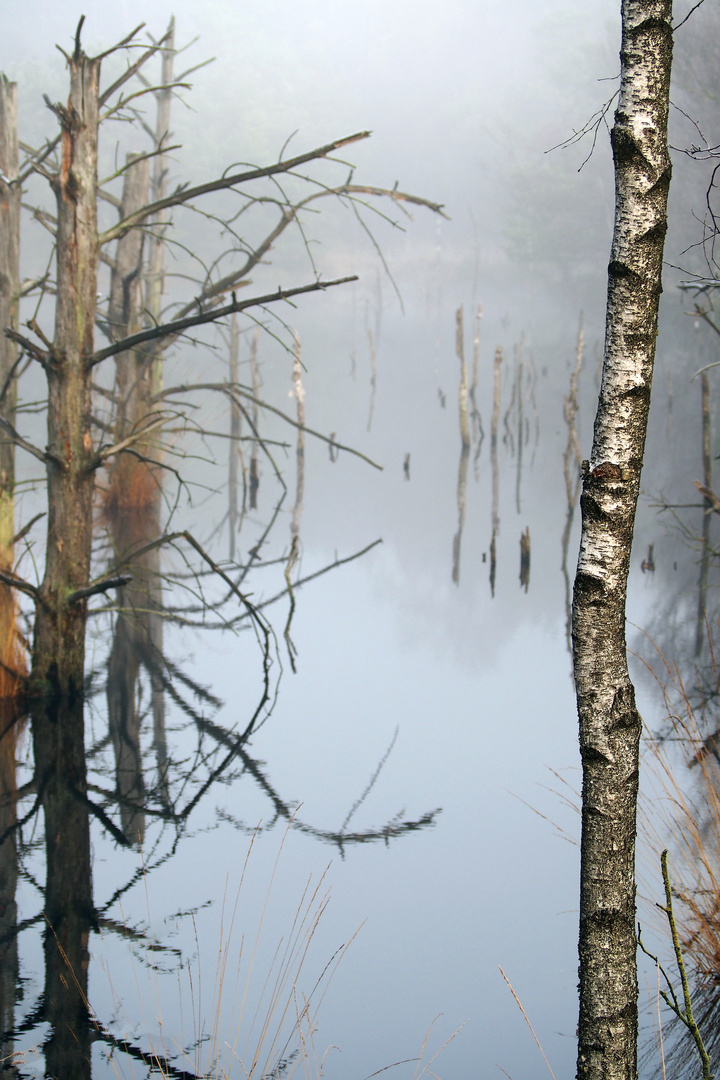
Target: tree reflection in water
<point>69,786</point>
<point>141,779</point>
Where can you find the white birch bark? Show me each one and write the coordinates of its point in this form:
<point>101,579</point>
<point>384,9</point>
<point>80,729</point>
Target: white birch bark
<point>609,721</point>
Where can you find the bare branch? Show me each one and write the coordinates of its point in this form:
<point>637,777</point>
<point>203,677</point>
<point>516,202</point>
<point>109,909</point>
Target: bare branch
<point>216,290</point>
<point>124,102</point>
<point>26,528</point>
<point>128,40</point>
<point>183,195</point>
<point>591,125</point>
<point>42,455</point>
<point>701,313</point>
<point>37,158</point>
<point>289,215</point>
<point>239,391</point>
<point>30,347</point>
<point>106,196</point>
<point>129,165</point>
<point>315,434</point>
<point>32,283</point>
<point>390,193</point>
<point>708,494</point>
<point>195,67</point>
<point>104,453</point>
<point>11,375</point>
<point>78,32</point>
<point>690,12</point>
<point>319,573</point>
<point>99,587</point>
<point>179,325</point>
<point>20,584</point>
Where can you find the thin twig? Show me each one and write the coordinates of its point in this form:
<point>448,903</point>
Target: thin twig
<point>179,325</point>
<point>99,587</point>
<point>183,195</point>
<point>685,1015</point>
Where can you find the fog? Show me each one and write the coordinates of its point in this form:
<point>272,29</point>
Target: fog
<point>469,106</point>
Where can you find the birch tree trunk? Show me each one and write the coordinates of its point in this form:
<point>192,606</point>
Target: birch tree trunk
<point>609,720</point>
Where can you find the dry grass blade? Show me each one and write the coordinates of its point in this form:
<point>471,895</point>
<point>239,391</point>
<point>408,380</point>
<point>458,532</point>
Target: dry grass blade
<point>422,1068</point>
<point>527,1020</point>
<point>259,1022</point>
<point>681,804</point>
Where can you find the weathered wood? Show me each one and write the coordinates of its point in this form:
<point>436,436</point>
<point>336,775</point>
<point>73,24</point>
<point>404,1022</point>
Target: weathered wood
<point>10,653</point>
<point>59,748</point>
<point>10,194</point>
<point>126,285</point>
<point>235,450</point>
<point>609,721</point>
<point>59,646</point>
<point>59,642</point>
<point>155,277</point>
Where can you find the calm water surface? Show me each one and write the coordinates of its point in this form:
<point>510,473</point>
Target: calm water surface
<point>432,686</point>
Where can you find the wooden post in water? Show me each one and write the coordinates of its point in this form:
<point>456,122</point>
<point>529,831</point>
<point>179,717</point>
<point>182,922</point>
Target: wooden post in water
<point>464,441</point>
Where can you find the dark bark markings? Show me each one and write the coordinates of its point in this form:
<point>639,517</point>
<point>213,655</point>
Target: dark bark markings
<point>609,721</point>
<point>59,645</point>
<point>59,651</point>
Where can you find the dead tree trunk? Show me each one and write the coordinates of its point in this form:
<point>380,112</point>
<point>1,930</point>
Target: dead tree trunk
<point>155,283</point>
<point>299,394</point>
<point>235,447</point>
<point>254,468</point>
<point>464,440</point>
<point>131,486</point>
<point>609,720</point>
<point>61,609</point>
<point>12,657</point>
<point>61,614</point>
<point>497,363</point>
<point>151,388</point>
<point>10,194</point>
<point>59,748</point>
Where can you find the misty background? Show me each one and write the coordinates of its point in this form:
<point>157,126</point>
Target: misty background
<point>465,103</point>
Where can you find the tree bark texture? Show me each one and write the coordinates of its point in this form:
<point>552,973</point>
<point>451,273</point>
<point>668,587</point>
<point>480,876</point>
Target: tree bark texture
<point>59,647</point>
<point>13,668</point>
<point>609,721</point>
<point>10,194</point>
<point>9,646</point>
<point>152,359</point>
<point>60,620</point>
<point>58,732</point>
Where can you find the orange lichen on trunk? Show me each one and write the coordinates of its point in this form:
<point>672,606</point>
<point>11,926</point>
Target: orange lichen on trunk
<point>13,655</point>
<point>129,504</point>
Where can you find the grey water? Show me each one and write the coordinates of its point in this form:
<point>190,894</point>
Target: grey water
<point>429,655</point>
